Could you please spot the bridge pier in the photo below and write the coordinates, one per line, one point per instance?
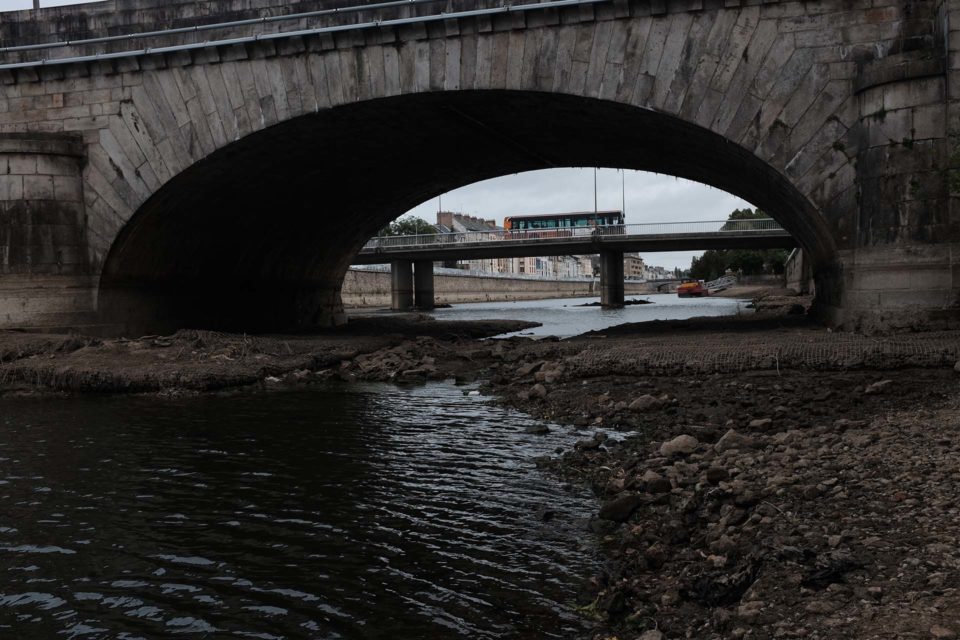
(423, 285)
(611, 279)
(401, 285)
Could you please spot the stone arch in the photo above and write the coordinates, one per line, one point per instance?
(258, 235)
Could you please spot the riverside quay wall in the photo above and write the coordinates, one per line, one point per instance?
(364, 288)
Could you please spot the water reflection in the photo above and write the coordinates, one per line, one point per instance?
(380, 512)
(566, 317)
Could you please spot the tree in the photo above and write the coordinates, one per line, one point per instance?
(409, 226)
(713, 264)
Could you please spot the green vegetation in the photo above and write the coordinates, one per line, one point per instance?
(409, 226)
(713, 264)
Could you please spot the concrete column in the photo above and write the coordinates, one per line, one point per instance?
(423, 284)
(401, 285)
(611, 279)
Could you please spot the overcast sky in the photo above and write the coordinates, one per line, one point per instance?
(650, 197)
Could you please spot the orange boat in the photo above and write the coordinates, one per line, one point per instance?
(692, 289)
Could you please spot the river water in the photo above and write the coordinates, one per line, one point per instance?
(368, 511)
(567, 317)
(354, 511)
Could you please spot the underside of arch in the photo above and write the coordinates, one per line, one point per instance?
(257, 236)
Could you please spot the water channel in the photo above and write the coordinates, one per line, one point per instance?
(354, 511)
(567, 317)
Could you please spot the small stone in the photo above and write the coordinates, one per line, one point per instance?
(877, 387)
(761, 423)
(941, 632)
(956, 367)
(538, 429)
(653, 634)
(733, 440)
(716, 475)
(655, 483)
(538, 391)
(681, 445)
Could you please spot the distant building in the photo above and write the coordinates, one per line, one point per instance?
(450, 222)
(634, 267)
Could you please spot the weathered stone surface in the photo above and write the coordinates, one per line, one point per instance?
(681, 445)
(733, 440)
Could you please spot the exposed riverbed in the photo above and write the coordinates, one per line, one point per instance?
(782, 480)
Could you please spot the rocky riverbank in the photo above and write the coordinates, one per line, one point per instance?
(777, 480)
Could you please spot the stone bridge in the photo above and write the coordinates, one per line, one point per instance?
(224, 176)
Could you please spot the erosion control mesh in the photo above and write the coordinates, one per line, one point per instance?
(739, 352)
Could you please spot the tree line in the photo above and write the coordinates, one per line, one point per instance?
(749, 262)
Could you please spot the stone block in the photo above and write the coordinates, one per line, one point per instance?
(11, 188)
(21, 165)
(920, 91)
(56, 165)
(38, 188)
(67, 189)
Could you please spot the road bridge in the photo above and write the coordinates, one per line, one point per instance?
(415, 287)
(218, 163)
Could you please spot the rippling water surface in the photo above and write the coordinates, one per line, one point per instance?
(360, 512)
(567, 317)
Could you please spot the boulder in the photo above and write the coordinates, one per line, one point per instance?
(679, 446)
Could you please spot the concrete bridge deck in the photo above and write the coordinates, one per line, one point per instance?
(650, 237)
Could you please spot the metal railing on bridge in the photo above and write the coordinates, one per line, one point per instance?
(668, 229)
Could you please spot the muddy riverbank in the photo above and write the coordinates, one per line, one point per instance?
(780, 480)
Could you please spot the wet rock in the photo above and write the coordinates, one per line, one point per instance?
(613, 602)
(538, 391)
(681, 445)
(537, 429)
(527, 369)
(878, 387)
(619, 509)
(733, 440)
